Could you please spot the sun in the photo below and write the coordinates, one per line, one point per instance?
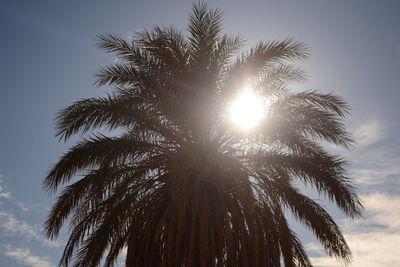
(247, 110)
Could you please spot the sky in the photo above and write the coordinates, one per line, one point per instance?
(48, 59)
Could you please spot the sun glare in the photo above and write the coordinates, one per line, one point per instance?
(247, 110)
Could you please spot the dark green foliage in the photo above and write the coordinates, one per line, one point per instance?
(180, 186)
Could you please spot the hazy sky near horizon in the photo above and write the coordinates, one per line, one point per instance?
(48, 59)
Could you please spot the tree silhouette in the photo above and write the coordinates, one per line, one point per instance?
(179, 185)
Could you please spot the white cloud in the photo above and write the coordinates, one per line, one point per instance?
(22, 206)
(369, 132)
(26, 257)
(374, 242)
(376, 249)
(5, 194)
(384, 210)
(377, 172)
(3, 189)
(11, 225)
(377, 166)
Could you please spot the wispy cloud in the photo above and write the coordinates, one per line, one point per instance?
(377, 169)
(12, 226)
(374, 242)
(384, 210)
(26, 257)
(377, 249)
(369, 132)
(23, 206)
(4, 193)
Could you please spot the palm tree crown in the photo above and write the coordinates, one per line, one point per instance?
(180, 185)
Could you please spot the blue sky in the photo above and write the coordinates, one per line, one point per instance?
(48, 60)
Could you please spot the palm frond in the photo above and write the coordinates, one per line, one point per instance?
(119, 74)
(252, 62)
(97, 151)
(327, 174)
(275, 79)
(167, 45)
(92, 113)
(204, 28)
(310, 117)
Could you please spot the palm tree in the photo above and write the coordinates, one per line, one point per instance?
(179, 184)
